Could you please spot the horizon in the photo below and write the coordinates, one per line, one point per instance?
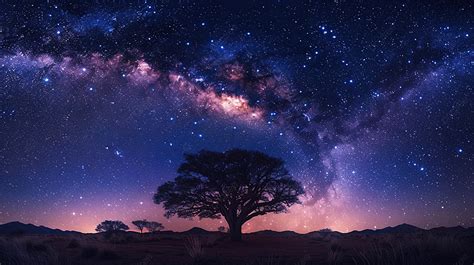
(135, 230)
(368, 105)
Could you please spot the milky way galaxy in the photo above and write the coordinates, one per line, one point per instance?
(370, 106)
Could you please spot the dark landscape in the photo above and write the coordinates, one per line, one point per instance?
(403, 244)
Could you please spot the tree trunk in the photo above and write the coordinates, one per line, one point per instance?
(235, 230)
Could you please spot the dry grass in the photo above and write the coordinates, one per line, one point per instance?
(216, 249)
(22, 252)
(335, 253)
(194, 246)
(413, 250)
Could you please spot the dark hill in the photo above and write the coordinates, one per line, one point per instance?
(399, 229)
(276, 233)
(21, 228)
(196, 231)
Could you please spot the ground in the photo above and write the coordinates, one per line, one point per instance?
(267, 247)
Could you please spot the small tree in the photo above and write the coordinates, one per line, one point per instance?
(237, 184)
(325, 230)
(111, 226)
(154, 227)
(222, 229)
(140, 224)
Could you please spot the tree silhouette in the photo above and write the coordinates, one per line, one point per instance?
(237, 184)
(140, 224)
(111, 226)
(154, 227)
(222, 229)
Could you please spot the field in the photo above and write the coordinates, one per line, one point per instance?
(267, 247)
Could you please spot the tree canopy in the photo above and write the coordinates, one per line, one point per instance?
(237, 184)
(154, 227)
(111, 226)
(140, 224)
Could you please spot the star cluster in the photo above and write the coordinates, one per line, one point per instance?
(369, 105)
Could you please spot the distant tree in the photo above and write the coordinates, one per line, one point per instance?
(325, 230)
(111, 226)
(154, 227)
(140, 224)
(222, 229)
(237, 184)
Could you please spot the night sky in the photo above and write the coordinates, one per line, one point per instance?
(370, 105)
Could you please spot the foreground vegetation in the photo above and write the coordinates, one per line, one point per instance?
(269, 248)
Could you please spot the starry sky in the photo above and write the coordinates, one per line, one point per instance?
(370, 103)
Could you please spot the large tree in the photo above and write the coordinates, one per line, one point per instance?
(237, 184)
